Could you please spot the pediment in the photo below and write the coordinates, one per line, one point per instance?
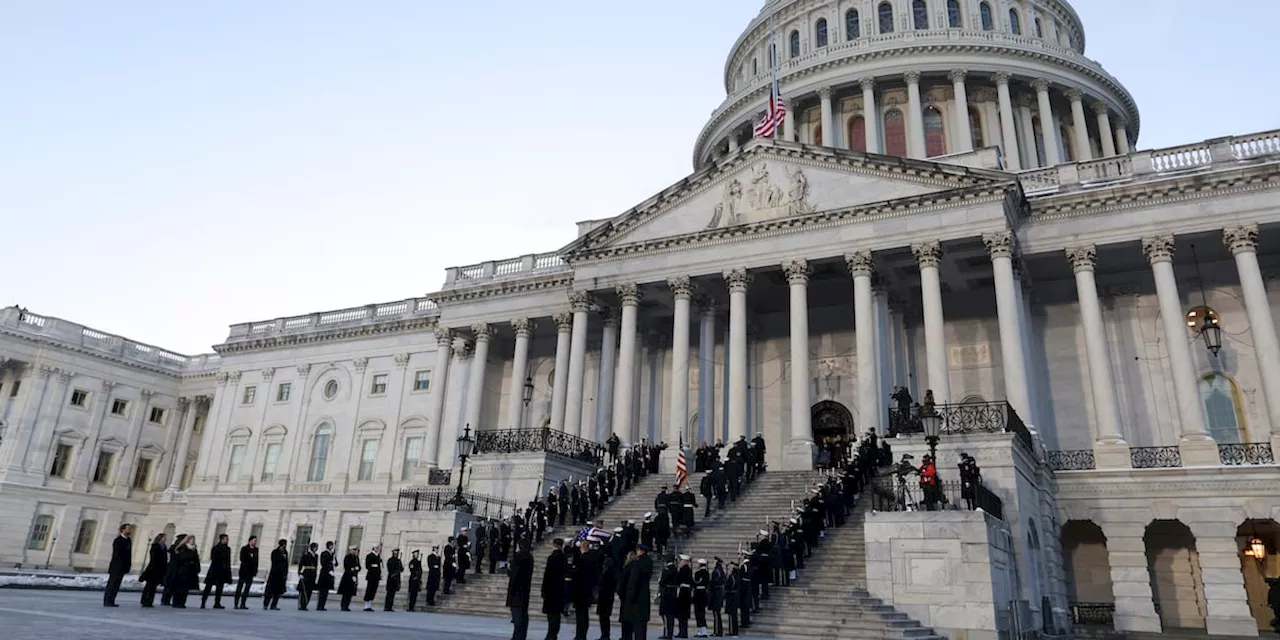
(770, 181)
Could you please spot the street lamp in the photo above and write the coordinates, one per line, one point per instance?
(528, 391)
(931, 421)
(1211, 333)
(466, 445)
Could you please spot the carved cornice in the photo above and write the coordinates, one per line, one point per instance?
(69, 347)
(928, 254)
(1158, 248)
(1082, 258)
(797, 271)
(407, 325)
(444, 338)
(1154, 194)
(861, 264)
(1241, 238)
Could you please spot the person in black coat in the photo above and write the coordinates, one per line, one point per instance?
(519, 588)
(715, 598)
(433, 575)
(609, 576)
(248, 569)
(732, 587)
(350, 576)
(186, 571)
(553, 576)
(372, 575)
(219, 573)
(277, 576)
(153, 574)
(415, 578)
(701, 588)
(585, 581)
(635, 595)
(668, 591)
(394, 568)
(170, 573)
(324, 581)
(308, 565)
(121, 563)
(684, 595)
(450, 564)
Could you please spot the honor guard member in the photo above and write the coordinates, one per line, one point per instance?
(668, 589)
(684, 597)
(394, 568)
(433, 575)
(350, 577)
(450, 564)
(415, 578)
(372, 575)
(324, 580)
(715, 598)
(732, 587)
(307, 571)
(701, 584)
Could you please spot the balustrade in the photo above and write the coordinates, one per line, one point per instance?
(443, 499)
(893, 493)
(1155, 457)
(965, 418)
(1072, 460)
(1235, 454)
(539, 440)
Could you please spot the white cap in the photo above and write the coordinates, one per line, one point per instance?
(684, 558)
(794, 521)
(591, 522)
(763, 532)
(617, 529)
(648, 514)
(702, 560)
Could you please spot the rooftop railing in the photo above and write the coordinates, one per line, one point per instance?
(354, 316)
(65, 331)
(497, 270)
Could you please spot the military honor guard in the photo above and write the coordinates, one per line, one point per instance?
(372, 575)
(415, 578)
(324, 581)
(350, 577)
(307, 569)
(395, 567)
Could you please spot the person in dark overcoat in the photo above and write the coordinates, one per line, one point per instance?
(668, 588)
(171, 571)
(415, 578)
(684, 595)
(636, 598)
(715, 598)
(450, 564)
(732, 587)
(277, 576)
(350, 577)
(186, 574)
(553, 576)
(153, 574)
(394, 568)
(219, 573)
(433, 575)
(701, 589)
(324, 581)
(372, 575)
(586, 579)
(519, 589)
(121, 563)
(606, 592)
(248, 570)
(308, 566)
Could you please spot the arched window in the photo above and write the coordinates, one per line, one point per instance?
(975, 128)
(895, 133)
(886, 17)
(795, 44)
(920, 14)
(953, 14)
(820, 32)
(858, 134)
(852, 25)
(1222, 408)
(319, 453)
(1064, 143)
(984, 12)
(1039, 28)
(935, 136)
(1015, 22)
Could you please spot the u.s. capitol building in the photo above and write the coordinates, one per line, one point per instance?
(953, 204)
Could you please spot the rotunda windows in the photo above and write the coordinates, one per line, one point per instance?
(975, 128)
(794, 41)
(920, 14)
(1039, 28)
(820, 33)
(858, 134)
(852, 25)
(984, 14)
(895, 134)
(755, 67)
(953, 14)
(935, 137)
(886, 17)
(1015, 22)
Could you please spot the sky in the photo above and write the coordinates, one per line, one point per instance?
(168, 169)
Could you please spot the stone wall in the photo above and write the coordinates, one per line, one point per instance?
(521, 476)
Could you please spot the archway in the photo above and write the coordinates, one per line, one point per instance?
(1088, 569)
(830, 419)
(1174, 566)
(1257, 569)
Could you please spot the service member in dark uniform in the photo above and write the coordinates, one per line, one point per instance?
(701, 583)
(732, 587)
(394, 568)
(324, 582)
(553, 577)
(433, 575)
(372, 575)
(350, 577)
(715, 598)
(277, 576)
(415, 578)
(307, 575)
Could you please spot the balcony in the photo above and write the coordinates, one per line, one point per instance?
(533, 264)
(369, 314)
(541, 440)
(965, 418)
(1164, 457)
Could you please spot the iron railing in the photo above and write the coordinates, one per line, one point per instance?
(541, 440)
(1093, 613)
(442, 499)
(888, 494)
(1072, 460)
(440, 477)
(1246, 453)
(1155, 457)
(968, 417)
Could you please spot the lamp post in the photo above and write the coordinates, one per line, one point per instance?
(1209, 330)
(466, 445)
(526, 397)
(931, 421)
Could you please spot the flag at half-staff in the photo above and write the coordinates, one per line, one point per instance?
(776, 112)
(682, 468)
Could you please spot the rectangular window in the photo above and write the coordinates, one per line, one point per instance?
(157, 415)
(119, 407)
(84, 536)
(233, 464)
(269, 462)
(61, 460)
(319, 457)
(256, 531)
(422, 381)
(355, 535)
(102, 471)
(379, 384)
(412, 454)
(79, 398)
(13, 391)
(282, 391)
(250, 394)
(38, 540)
(368, 455)
(301, 540)
(142, 474)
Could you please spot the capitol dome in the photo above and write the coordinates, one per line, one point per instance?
(1016, 64)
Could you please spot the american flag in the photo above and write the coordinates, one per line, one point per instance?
(682, 469)
(593, 534)
(777, 109)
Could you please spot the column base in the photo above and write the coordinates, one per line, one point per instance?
(799, 455)
(1111, 455)
(1218, 626)
(1199, 453)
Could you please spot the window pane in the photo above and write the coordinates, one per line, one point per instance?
(269, 462)
(319, 455)
(301, 540)
(84, 536)
(821, 33)
(422, 379)
(379, 384)
(1015, 23)
(142, 474)
(233, 465)
(39, 538)
(355, 536)
(920, 14)
(858, 134)
(255, 531)
(1219, 397)
(886, 17)
(61, 460)
(368, 455)
(795, 44)
(984, 11)
(282, 392)
(852, 26)
(102, 471)
(412, 455)
(953, 14)
(935, 141)
(895, 133)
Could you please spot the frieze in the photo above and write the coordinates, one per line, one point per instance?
(504, 288)
(761, 199)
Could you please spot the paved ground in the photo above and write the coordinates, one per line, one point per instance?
(73, 615)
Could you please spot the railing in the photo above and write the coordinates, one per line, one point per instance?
(443, 500)
(526, 265)
(69, 332)
(368, 314)
(1093, 613)
(888, 493)
(1155, 457)
(437, 477)
(542, 440)
(968, 417)
(1072, 460)
(1246, 453)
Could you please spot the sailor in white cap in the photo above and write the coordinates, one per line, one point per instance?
(684, 596)
(701, 581)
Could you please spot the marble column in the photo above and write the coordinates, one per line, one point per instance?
(738, 280)
(1122, 138)
(475, 386)
(678, 413)
(1008, 130)
(800, 448)
(828, 122)
(1131, 577)
(862, 267)
(624, 389)
(1106, 407)
(192, 407)
(1242, 240)
(560, 377)
(435, 401)
(1079, 126)
(915, 116)
(964, 133)
(1227, 610)
(789, 122)
(523, 327)
(929, 255)
(1196, 443)
(1009, 315)
(707, 428)
(608, 368)
(1104, 129)
(1031, 149)
(1048, 123)
(462, 352)
(733, 142)
(870, 115)
(580, 304)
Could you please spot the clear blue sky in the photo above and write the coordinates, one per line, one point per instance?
(170, 168)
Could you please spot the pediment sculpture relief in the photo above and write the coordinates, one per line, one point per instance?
(761, 199)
